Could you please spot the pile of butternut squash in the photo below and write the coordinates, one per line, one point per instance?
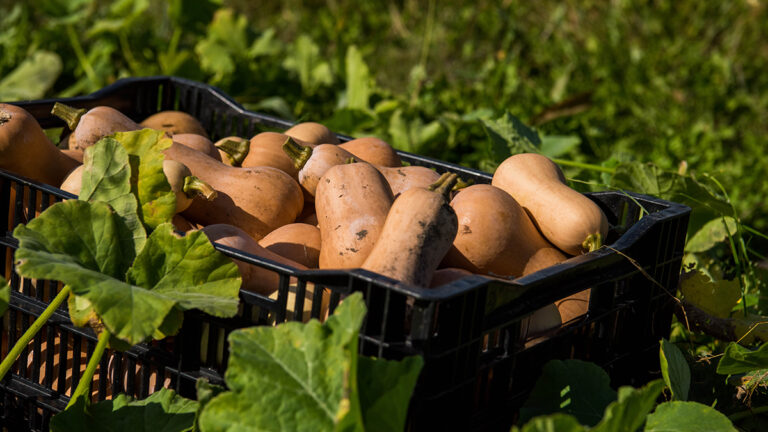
(305, 200)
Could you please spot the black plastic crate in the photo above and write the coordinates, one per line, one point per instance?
(477, 369)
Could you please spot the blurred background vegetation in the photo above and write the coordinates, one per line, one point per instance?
(663, 97)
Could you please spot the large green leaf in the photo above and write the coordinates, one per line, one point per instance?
(5, 295)
(675, 370)
(678, 416)
(32, 78)
(552, 423)
(293, 377)
(358, 80)
(629, 412)
(162, 411)
(306, 60)
(737, 359)
(157, 202)
(653, 180)
(508, 135)
(187, 270)
(76, 242)
(713, 232)
(385, 391)
(574, 387)
(716, 298)
(107, 178)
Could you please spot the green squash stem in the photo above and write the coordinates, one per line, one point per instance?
(70, 115)
(299, 154)
(444, 184)
(194, 186)
(235, 149)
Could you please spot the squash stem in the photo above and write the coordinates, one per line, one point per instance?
(236, 149)
(582, 165)
(444, 184)
(299, 154)
(593, 242)
(461, 184)
(194, 186)
(22, 343)
(70, 115)
(84, 386)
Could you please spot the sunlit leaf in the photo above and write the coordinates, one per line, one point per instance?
(507, 135)
(162, 411)
(629, 411)
(675, 370)
(679, 416)
(358, 80)
(737, 359)
(716, 298)
(385, 391)
(712, 233)
(32, 78)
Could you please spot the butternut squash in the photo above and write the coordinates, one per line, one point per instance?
(297, 241)
(312, 133)
(401, 179)
(255, 278)
(90, 126)
(568, 219)
(417, 233)
(258, 200)
(199, 143)
(174, 122)
(540, 322)
(74, 154)
(574, 305)
(26, 150)
(447, 275)
(74, 181)
(496, 236)
(352, 202)
(374, 151)
(266, 149)
(312, 163)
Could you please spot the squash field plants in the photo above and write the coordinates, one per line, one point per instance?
(668, 100)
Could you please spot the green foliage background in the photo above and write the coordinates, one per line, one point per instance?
(606, 84)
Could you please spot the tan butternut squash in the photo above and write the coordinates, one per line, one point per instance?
(496, 236)
(297, 241)
(352, 202)
(417, 233)
(232, 150)
(312, 163)
(403, 178)
(88, 127)
(255, 278)
(199, 143)
(258, 200)
(312, 133)
(26, 150)
(174, 122)
(374, 151)
(447, 275)
(574, 305)
(266, 149)
(540, 322)
(568, 219)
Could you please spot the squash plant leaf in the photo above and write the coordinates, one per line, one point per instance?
(305, 374)
(107, 178)
(187, 270)
(5, 295)
(675, 370)
(507, 136)
(713, 232)
(76, 242)
(552, 423)
(162, 411)
(157, 202)
(628, 413)
(87, 246)
(716, 298)
(385, 391)
(678, 416)
(574, 387)
(738, 360)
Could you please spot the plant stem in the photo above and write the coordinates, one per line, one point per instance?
(194, 186)
(747, 413)
(80, 54)
(8, 361)
(236, 149)
(70, 115)
(84, 386)
(299, 154)
(583, 165)
(444, 184)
